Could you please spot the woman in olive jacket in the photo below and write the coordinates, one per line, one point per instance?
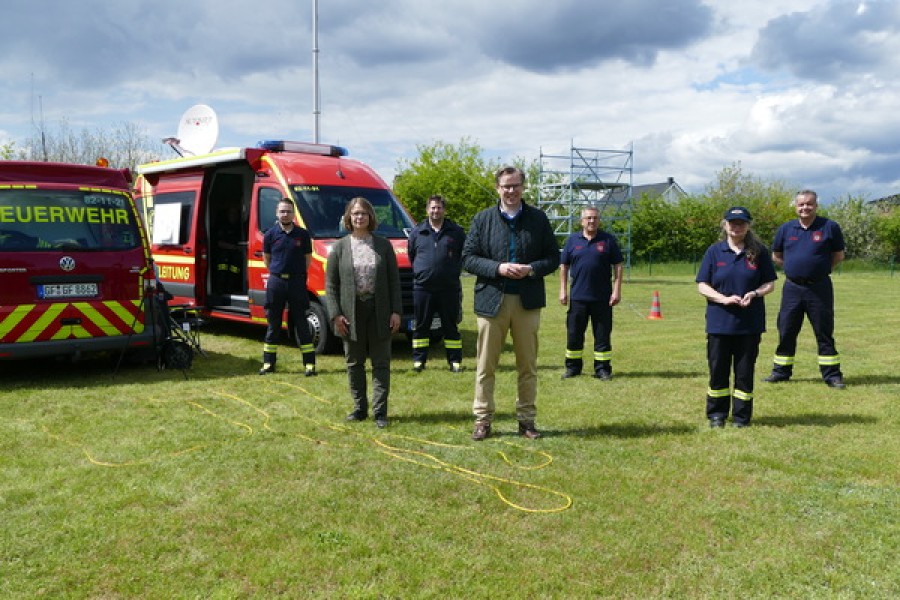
(362, 294)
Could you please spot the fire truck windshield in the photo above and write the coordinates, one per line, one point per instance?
(322, 209)
(66, 219)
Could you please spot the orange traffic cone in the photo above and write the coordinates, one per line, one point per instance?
(655, 312)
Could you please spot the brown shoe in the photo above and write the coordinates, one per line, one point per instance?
(482, 431)
(526, 429)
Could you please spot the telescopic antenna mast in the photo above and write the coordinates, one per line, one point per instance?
(317, 112)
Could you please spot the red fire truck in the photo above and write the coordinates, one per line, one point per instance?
(75, 265)
(200, 208)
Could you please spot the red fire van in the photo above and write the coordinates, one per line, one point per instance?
(200, 207)
(75, 264)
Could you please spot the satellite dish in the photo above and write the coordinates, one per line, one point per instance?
(198, 130)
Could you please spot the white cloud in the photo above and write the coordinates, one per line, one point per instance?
(801, 89)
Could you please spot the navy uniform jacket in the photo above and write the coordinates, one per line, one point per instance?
(590, 265)
(288, 250)
(807, 252)
(436, 257)
(729, 273)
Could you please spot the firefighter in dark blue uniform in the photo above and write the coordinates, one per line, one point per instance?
(734, 276)
(593, 258)
(808, 249)
(435, 251)
(287, 252)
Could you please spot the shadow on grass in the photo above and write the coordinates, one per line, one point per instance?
(659, 374)
(813, 420)
(871, 380)
(103, 370)
(850, 381)
(623, 431)
(445, 417)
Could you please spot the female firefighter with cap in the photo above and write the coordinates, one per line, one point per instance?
(735, 274)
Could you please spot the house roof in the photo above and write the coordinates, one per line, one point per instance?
(892, 200)
(669, 190)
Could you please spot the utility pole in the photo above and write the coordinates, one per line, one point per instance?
(317, 111)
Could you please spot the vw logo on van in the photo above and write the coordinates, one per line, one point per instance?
(67, 263)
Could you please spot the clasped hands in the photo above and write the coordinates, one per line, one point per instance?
(514, 270)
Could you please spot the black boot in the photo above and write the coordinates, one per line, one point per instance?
(268, 365)
(309, 362)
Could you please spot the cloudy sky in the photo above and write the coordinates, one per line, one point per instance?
(800, 90)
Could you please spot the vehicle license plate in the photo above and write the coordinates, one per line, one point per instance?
(67, 290)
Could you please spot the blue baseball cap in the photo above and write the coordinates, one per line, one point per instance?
(737, 213)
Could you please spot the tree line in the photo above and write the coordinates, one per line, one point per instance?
(661, 231)
(674, 231)
(124, 145)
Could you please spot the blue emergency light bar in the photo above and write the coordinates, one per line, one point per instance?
(303, 147)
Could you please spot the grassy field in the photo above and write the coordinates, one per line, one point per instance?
(224, 484)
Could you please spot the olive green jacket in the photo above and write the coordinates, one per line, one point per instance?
(340, 285)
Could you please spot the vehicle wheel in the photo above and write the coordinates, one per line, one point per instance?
(177, 354)
(317, 321)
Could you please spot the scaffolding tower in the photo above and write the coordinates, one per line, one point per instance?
(588, 177)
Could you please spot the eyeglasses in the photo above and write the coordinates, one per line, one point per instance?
(510, 187)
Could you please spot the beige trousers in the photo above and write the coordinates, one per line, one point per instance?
(523, 325)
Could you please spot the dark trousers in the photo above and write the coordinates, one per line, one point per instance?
(446, 305)
(815, 301)
(228, 277)
(290, 292)
(600, 314)
(378, 350)
(724, 352)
